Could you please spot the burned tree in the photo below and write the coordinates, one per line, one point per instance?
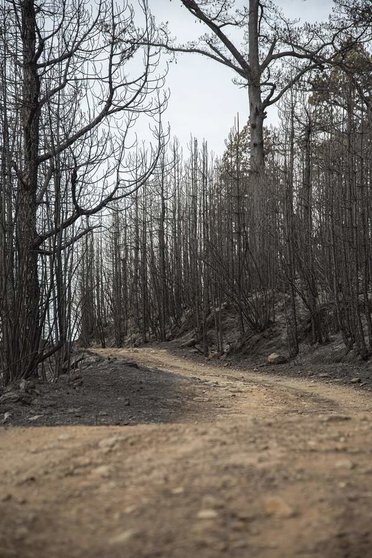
(74, 91)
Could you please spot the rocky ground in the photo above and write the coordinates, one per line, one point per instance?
(150, 453)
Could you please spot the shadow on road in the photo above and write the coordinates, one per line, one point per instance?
(107, 392)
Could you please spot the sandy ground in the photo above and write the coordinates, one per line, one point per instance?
(204, 462)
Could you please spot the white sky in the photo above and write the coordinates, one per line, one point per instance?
(204, 101)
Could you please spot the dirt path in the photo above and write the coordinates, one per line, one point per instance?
(231, 463)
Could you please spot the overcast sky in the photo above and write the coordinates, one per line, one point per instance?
(204, 101)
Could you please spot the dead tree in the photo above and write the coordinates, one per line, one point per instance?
(45, 53)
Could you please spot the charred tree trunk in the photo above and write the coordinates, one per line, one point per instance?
(27, 332)
(256, 111)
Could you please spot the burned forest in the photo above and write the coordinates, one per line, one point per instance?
(146, 279)
(107, 242)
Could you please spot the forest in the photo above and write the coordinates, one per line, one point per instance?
(185, 333)
(106, 239)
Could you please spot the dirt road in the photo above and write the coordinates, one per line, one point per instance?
(243, 465)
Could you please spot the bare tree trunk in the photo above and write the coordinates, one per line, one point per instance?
(28, 329)
(290, 233)
(256, 112)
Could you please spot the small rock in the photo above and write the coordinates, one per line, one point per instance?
(6, 417)
(109, 442)
(276, 358)
(24, 385)
(323, 375)
(355, 380)
(102, 414)
(65, 436)
(83, 461)
(178, 490)
(207, 514)
(34, 417)
(344, 464)
(103, 471)
(277, 507)
(123, 537)
(130, 509)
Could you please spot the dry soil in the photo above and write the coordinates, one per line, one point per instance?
(183, 459)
